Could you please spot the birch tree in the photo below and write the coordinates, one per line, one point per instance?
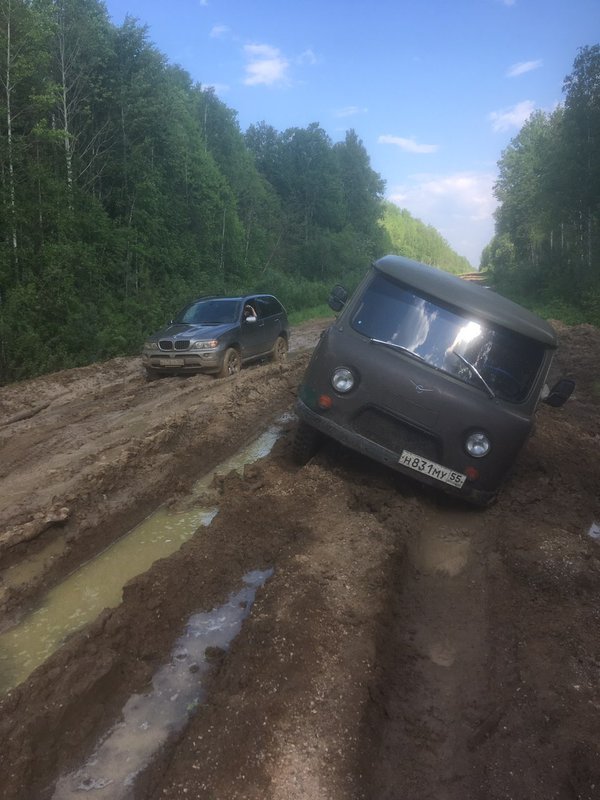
(16, 44)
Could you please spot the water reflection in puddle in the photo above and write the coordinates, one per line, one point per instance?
(99, 583)
(442, 653)
(149, 719)
(32, 568)
(441, 549)
(594, 531)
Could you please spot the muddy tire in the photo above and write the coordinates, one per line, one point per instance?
(232, 363)
(280, 349)
(305, 444)
(152, 374)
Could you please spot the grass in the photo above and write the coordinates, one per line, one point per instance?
(557, 308)
(305, 314)
(565, 312)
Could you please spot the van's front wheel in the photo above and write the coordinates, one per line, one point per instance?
(305, 444)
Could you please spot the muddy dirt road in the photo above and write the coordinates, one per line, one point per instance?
(396, 644)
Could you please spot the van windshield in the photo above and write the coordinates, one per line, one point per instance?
(494, 359)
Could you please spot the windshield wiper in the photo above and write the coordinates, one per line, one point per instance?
(476, 373)
(400, 347)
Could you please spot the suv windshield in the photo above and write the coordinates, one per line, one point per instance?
(498, 361)
(210, 312)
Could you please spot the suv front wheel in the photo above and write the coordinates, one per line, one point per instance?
(232, 363)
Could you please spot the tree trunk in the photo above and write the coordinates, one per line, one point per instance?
(9, 143)
(65, 112)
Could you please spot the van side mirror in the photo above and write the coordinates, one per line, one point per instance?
(560, 393)
(337, 298)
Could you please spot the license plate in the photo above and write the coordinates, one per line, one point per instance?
(171, 362)
(431, 469)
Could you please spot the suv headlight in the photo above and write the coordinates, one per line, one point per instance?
(477, 444)
(209, 344)
(342, 380)
(149, 345)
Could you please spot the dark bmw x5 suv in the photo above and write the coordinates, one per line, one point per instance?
(434, 376)
(217, 335)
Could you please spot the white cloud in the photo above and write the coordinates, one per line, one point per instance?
(266, 65)
(408, 145)
(522, 67)
(349, 111)
(460, 206)
(513, 117)
(218, 31)
(308, 57)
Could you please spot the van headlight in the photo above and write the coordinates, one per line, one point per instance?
(342, 380)
(477, 444)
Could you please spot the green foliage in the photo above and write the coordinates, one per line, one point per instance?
(547, 241)
(295, 293)
(317, 312)
(411, 238)
(126, 189)
(549, 306)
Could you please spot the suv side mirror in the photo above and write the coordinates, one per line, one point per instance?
(560, 393)
(337, 298)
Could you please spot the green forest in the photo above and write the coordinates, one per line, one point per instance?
(127, 189)
(546, 249)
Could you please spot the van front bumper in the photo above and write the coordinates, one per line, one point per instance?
(361, 444)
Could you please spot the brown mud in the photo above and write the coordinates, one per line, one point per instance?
(406, 646)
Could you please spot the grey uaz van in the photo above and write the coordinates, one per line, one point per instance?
(434, 376)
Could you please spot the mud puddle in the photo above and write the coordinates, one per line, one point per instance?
(177, 690)
(99, 583)
(434, 643)
(594, 531)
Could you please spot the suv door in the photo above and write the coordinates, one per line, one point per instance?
(270, 313)
(252, 333)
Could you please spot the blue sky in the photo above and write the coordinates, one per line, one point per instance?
(436, 89)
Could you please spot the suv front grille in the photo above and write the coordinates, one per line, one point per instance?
(396, 435)
(178, 344)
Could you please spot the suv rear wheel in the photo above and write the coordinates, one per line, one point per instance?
(280, 349)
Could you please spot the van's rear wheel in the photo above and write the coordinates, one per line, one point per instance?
(305, 444)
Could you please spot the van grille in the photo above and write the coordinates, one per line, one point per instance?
(396, 435)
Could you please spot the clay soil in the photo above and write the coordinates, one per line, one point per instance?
(406, 646)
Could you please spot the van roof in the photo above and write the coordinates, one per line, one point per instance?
(480, 302)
